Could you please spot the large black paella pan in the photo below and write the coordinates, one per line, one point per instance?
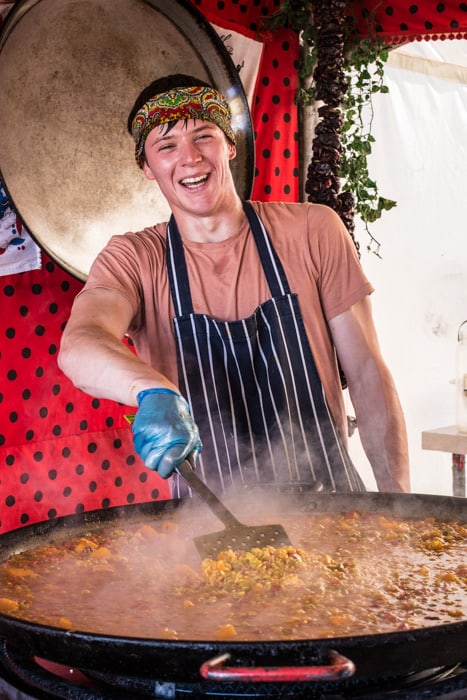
(370, 655)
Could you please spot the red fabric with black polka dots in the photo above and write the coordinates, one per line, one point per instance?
(61, 451)
(400, 21)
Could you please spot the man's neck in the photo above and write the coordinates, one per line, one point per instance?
(213, 228)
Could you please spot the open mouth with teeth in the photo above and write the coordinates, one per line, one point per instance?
(194, 182)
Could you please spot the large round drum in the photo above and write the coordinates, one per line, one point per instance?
(70, 71)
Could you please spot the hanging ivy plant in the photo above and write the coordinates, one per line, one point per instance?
(364, 68)
(342, 71)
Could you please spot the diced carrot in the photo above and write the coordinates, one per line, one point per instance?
(226, 632)
(85, 543)
(20, 573)
(65, 623)
(101, 553)
(7, 605)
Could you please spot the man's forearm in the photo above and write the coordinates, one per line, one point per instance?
(388, 456)
(383, 432)
(104, 367)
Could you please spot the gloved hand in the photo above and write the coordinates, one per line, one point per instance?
(164, 433)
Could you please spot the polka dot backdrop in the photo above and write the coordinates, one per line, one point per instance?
(274, 111)
(275, 121)
(61, 451)
(402, 20)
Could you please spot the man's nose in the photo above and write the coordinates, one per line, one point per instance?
(191, 153)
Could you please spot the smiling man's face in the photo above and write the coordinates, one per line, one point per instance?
(190, 163)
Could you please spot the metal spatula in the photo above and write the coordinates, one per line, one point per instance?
(236, 535)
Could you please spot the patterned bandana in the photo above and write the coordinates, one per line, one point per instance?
(203, 103)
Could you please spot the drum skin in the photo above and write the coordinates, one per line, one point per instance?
(70, 71)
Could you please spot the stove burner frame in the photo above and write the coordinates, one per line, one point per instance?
(40, 678)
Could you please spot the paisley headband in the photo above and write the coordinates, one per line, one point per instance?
(198, 102)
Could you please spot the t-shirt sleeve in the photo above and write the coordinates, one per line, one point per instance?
(341, 279)
(116, 268)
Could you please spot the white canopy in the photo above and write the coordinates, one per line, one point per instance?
(420, 160)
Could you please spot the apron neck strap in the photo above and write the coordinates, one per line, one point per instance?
(178, 273)
(272, 266)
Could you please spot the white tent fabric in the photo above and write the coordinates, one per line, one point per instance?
(441, 59)
(420, 160)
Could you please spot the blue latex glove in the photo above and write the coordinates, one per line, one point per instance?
(164, 433)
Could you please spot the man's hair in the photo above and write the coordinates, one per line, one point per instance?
(168, 82)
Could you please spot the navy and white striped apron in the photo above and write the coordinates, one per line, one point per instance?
(253, 386)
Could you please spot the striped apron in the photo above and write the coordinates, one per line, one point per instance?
(253, 386)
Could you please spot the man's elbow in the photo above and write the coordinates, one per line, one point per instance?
(68, 360)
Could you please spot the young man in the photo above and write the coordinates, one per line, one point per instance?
(237, 311)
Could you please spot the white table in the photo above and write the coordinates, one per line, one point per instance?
(449, 439)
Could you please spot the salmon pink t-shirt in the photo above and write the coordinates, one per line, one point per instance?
(227, 282)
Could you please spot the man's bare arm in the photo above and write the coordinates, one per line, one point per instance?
(373, 394)
(93, 355)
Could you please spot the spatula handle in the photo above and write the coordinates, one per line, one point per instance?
(218, 508)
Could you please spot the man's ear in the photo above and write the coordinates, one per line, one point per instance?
(147, 171)
(232, 150)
